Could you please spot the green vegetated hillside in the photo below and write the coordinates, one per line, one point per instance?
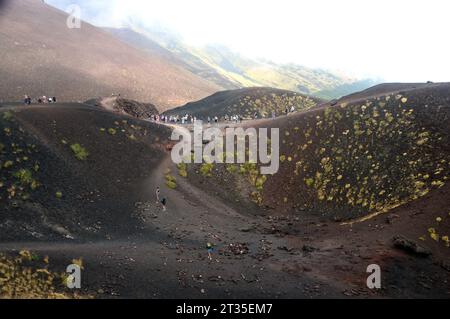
(245, 102)
(354, 159)
(230, 70)
(245, 72)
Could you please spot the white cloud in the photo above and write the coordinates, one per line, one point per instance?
(401, 40)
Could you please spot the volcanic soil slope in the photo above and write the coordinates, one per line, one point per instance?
(361, 182)
(71, 170)
(40, 55)
(358, 158)
(125, 107)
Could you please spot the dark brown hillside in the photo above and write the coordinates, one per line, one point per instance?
(40, 55)
(124, 106)
(385, 89)
(72, 171)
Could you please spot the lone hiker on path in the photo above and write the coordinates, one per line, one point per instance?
(163, 203)
(210, 249)
(27, 100)
(158, 192)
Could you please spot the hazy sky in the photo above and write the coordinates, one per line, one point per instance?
(397, 40)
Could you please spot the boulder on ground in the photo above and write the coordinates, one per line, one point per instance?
(410, 246)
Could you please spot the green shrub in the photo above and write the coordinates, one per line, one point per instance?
(171, 181)
(206, 169)
(7, 116)
(259, 184)
(171, 185)
(8, 164)
(231, 168)
(26, 276)
(24, 176)
(182, 169)
(80, 152)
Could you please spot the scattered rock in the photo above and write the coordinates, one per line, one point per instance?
(215, 278)
(246, 229)
(239, 248)
(445, 265)
(309, 249)
(286, 249)
(390, 219)
(343, 267)
(411, 246)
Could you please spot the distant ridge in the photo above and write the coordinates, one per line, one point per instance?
(246, 102)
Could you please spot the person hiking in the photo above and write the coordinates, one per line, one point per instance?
(163, 203)
(158, 192)
(210, 249)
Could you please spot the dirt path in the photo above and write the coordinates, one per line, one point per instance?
(173, 263)
(194, 218)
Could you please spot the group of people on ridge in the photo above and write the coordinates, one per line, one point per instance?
(40, 100)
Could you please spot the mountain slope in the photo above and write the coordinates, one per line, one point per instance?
(388, 88)
(177, 55)
(227, 69)
(250, 72)
(39, 55)
(245, 102)
(230, 70)
(241, 71)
